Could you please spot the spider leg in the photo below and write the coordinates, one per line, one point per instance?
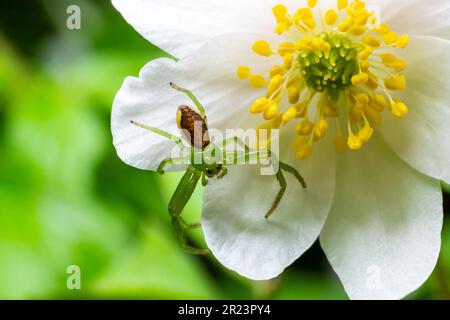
(180, 198)
(237, 141)
(169, 161)
(167, 135)
(282, 181)
(190, 226)
(223, 173)
(182, 240)
(204, 180)
(197, 103)
(283, 187)
(241, 157)
(294, 172)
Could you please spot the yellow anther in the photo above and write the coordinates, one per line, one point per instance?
(293, 94)
(373, 115)
(364, 65)
(304, 128)
(342, 4)
(309, 22)
(320, 129)
(271, 111)
(260, 105)
(304, 151)
(280, 10)
(382, 29)
(361, 78)
(365, 54)
(288, 59)
(402, 42)
(363, 18)
(399, 109)
(346, 25)
(393, 62)
(301, 107)
(330, 112)
(257, 81)
(281, 28)
(243, 72)
(331, 17)
(262, 48)
(365, 133)
(290, 114)
(354, 142)
(358, 30)
(398, 65)
(275, 83)
(276, 70)
(391, 38)
(362, 99)
(372, 41)
(359, 4)
(286, 47)
(388, 58)
(308, 40)
(380, 99)
(312, 3)
(396, 83)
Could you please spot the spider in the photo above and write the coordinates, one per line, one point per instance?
(207, 160)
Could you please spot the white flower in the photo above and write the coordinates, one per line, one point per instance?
(378, 211)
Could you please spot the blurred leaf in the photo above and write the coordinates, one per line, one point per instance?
(309, 286)
(156, 268)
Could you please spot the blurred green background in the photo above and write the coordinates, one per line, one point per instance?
(65, 197)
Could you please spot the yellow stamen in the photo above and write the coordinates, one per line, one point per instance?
(257, 81)
(243, 72)
(399, 109)
(342, 4)
(259, 105)
(338, 69)
(396, 83)
(290, 114)
(312, 3)
(331, 17)
(262, 48)
(271, 111)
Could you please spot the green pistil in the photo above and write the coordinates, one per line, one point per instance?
(330, 71)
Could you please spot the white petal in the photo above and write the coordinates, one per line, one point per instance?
(210, 73)
(147, 100)
(423, 137)
(383, 233)
(234, 208)
(416, 17)
(182, 26)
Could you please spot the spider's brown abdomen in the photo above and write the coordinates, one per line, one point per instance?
(193, 127)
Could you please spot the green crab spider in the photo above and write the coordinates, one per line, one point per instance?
(189, 122)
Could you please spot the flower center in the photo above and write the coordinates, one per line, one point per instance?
(331, 69)
(339, 72)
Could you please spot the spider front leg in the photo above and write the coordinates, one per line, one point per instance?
(283, 185)
(191, 96)
(177, 204)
